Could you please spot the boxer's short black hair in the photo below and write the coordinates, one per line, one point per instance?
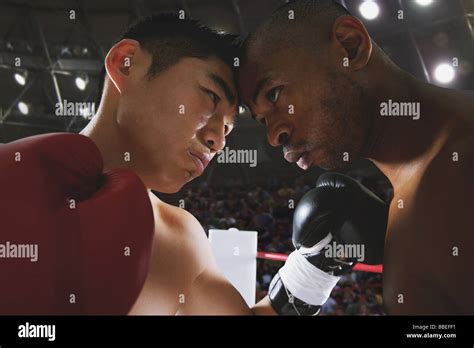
(310, 28)
(168, 39)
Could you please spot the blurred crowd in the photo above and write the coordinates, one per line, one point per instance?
(268, 209)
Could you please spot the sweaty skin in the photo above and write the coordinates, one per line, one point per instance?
(428, 265)
(141, 117)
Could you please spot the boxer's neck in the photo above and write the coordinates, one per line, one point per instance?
(405, 144)
(104, 131)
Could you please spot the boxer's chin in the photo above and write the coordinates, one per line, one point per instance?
(330, 163)
(172, 183)
(170, 188)
(334, 167)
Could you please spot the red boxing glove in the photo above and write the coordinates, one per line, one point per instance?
(92, 232)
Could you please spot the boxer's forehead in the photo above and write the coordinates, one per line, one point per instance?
(283, 66)
(201, 66)
(213, 70)
(258, 72)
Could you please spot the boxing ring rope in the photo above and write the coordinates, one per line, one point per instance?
(282, 257)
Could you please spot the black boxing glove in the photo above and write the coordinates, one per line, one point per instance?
(339, 215)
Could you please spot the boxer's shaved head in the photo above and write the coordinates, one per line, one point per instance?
(305, 75)
(311, 28)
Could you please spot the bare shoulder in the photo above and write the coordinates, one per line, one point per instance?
(446, 191)
(442, 218)
(184, 224)
(181, 234)
(180, 254)
(453, 166)
(445, 202)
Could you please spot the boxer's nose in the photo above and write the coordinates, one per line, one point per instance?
(278, 134)
(213, 135)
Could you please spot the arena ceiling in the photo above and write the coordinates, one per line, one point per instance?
(56, 50)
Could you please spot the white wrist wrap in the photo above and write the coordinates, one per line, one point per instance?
(305, 281)
(318, 247)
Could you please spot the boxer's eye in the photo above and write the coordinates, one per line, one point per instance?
(273, 94)
(214, 97)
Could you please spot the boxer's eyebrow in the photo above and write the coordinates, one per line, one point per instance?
(258, 88)
(224, 87)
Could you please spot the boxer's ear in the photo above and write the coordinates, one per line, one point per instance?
(350, 35)
(119, 61)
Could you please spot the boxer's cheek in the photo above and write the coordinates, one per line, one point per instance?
(200, 115)
(202, 121)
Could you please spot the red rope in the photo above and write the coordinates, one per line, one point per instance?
(358, 267)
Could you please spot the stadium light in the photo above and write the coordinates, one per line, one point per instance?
(21, 77)
(369, 9)
(81, 82)
(24, 108)
(424, 2)
(444, 73)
